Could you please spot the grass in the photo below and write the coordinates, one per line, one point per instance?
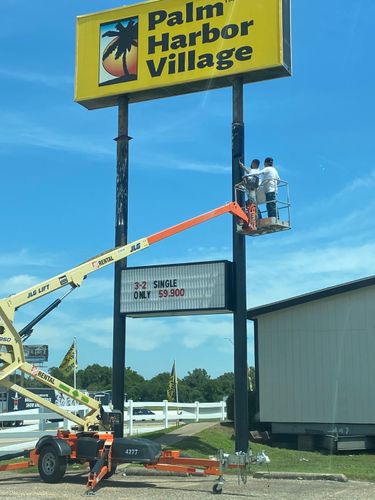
(359, 466)
(13, 461)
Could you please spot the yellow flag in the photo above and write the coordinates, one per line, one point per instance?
(172, 384)
(68, 363)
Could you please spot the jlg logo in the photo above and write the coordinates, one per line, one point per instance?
(135, 247)
(37, 291)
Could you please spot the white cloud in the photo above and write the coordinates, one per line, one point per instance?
(16, 129)
(208, 253)
(54, 81)
(60, 328)
(196, 331)
(93, 288)
(325, 163)
(57, 336)
(16, 283)
(141, 335)
(358, 183)
(23, 258)
(181, 163)
(307, 270)
(343, 203)
(147, 335)
(202, 167)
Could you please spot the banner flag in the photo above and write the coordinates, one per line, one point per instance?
(172, 384)
(68, 364)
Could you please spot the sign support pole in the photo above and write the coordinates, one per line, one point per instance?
(239, 282)
(121, 238)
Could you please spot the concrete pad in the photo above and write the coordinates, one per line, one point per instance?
(301, 475)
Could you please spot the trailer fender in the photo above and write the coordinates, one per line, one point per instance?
(62, 448)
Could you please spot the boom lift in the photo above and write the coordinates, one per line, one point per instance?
(91, 440)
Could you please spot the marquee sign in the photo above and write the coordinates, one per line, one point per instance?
(168, 47)
(181, 289)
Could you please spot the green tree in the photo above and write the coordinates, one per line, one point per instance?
(26, 381)
(155, 389)
(95, 378)
(252, 402)
(57, 373)
(184, 392)
(224, 385)
(134, 385)
(198, 385)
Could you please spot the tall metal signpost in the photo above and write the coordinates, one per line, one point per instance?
(239, 280)
(158, 49)
(121, 238)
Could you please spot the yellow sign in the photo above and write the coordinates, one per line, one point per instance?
(169, 47)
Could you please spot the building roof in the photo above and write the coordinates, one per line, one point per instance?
(309, 297)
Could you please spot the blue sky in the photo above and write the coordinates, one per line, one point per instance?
(58, 179)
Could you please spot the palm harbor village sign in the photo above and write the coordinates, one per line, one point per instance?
(163, 48)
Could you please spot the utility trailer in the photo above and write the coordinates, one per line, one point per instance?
(91, 439)
(103, 452)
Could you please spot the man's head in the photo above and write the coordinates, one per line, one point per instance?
(268, 162)
(255, 163)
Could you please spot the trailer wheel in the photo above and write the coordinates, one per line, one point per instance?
(51, 466)
(217, 489)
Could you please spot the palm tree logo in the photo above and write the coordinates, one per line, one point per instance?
(119, 57)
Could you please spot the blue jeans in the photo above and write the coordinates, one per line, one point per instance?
(271, 204)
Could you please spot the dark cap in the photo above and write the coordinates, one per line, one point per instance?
(268, 161)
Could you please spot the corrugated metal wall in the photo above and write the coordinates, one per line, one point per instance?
(317, 361)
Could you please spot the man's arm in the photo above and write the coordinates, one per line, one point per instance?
(256, 171)
(247, 170)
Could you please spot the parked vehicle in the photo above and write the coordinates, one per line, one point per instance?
(142, 411)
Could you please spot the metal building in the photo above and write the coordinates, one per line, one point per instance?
(315, 365)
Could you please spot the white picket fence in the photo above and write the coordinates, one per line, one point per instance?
(36, 422)
(167, 414)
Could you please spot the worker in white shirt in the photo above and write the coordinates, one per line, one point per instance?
(269, 183)
(251, 183)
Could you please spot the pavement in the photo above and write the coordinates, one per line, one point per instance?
(22, 485)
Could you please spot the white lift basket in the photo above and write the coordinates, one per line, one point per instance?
(262, 224)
